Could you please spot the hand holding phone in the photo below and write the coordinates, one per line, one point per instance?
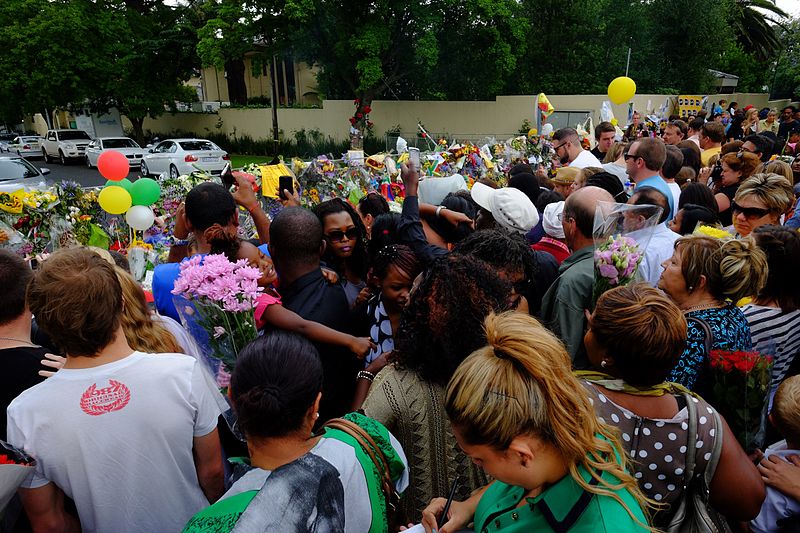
(413, 156)
(285, 183)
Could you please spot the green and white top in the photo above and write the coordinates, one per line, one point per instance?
(333, 487)
(564, 506)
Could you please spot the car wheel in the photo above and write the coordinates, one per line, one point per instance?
(143, 170)
(88, 162)
(62, 159)
(173, 172)
(45, 156)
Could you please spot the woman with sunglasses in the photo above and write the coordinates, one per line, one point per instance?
(759, 201)
(345, 245)
(736, 167)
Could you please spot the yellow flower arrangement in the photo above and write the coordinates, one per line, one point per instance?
(710, 231)
(139, 243)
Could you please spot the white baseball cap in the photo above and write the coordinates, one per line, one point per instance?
(551, 223)
(511, 208)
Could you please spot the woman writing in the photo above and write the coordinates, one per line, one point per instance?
(518, 412)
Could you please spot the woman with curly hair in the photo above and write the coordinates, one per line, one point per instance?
(144, 332)
(345, 244)
(439, 328)
(517, 410)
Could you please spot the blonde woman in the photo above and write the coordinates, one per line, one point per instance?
(142, 332)
(750, 125)
(703, 277)
(519, 413)
(769, 123)
(760, 201)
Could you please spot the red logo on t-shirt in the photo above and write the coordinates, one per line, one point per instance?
(97, 402)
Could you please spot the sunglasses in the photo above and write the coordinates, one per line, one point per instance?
(750, 213)
(630, 156)
(339, 236)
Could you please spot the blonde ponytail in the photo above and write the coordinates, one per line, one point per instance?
(521, 383)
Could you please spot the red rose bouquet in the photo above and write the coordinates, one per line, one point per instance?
(740, 384)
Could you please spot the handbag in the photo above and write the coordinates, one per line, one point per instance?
(381, 464)
(694, 513)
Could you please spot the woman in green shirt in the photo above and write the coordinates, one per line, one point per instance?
(518, 412)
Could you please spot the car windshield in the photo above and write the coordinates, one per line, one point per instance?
(14, 169)
(119, 143)
(74, 135)
(193, 146)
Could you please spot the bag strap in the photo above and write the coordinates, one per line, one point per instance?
(709, 338)
(691, 439)
(711, 468)
(375, 453)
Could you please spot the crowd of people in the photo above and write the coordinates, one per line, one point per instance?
(449, 365)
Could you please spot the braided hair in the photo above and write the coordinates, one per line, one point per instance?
(399, 256)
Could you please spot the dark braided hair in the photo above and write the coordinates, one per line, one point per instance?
(358, 261)
(223, 240)
(399, 256)
(502, 250)
(373, 204)
(384, 233)
(443, 322)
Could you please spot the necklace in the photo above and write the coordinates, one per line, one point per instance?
(18, 340)
(701, 306)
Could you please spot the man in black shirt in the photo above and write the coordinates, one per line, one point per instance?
(21, 357)
(604, 134)
(788, 123)
(296, 244)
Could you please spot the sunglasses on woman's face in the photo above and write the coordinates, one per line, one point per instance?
(339, 236)
(750, 213)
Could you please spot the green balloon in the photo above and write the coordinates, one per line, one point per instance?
(125, 183)
(145, 191)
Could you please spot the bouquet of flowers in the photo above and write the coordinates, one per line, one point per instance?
(615, 263)
(740, 385)
(215, 299)
(15, 465)
(621, 233)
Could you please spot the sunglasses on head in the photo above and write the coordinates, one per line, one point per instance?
(750, 213)
(339, 236)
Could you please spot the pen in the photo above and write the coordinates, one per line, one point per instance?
(449, 501)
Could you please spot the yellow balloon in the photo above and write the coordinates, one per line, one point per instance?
(621, 89)
(115, 200)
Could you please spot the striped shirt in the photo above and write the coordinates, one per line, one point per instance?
(775, 333)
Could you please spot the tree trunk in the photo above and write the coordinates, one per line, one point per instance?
(237, 90)
(138, 129)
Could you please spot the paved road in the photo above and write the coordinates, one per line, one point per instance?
(77, 171)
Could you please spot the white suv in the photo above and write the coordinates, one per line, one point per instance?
(65, 145)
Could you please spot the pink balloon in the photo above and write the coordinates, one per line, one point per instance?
(113, 165)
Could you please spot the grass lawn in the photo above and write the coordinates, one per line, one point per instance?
(238, 161)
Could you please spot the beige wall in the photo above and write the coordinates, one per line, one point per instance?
(502, 117)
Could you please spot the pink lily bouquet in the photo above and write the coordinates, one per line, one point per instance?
(615, 263)
(218, 297)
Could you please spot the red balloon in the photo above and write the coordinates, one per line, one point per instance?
(113, 165)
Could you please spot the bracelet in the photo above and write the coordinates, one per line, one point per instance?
(364, 374)
(439, 210)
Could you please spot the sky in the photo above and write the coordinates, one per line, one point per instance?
(792, 7)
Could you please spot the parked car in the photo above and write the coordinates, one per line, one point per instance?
(6, 138)
(183, 156)
(26, 146)
(65, 145)
(124, 145)
(16, 173)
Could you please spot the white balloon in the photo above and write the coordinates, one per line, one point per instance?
(140, 217)
(547, 129)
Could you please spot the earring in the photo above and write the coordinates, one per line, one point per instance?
(691, 289)
(603, 363)
(316, 415)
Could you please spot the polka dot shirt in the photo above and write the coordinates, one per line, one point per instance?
(658, 448)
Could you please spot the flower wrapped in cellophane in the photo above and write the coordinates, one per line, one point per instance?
(740, 389)
(215, 299)
(15, 466)
(621, 234)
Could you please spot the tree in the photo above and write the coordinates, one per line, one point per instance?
(754, 30)
(785, 81)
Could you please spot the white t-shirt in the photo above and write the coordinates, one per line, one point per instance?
(676, 195)
(659, 249)
(118, 440)
(586, 159)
